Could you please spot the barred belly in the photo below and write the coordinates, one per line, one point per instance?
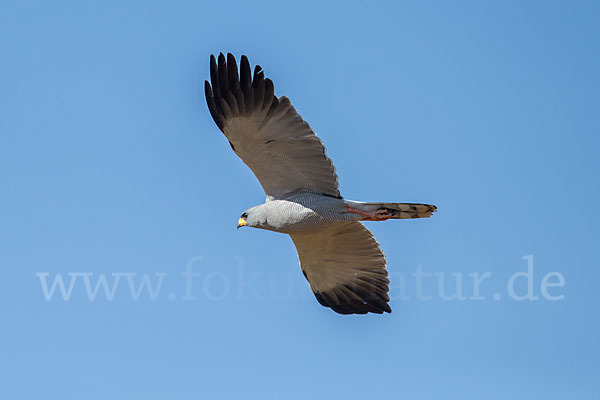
(305, 212)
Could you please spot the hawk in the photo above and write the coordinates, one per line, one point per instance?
(338, 255)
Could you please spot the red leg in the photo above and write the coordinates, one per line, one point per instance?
(379, 215)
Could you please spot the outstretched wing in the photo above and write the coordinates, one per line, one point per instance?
(266, 132)
(345, 268)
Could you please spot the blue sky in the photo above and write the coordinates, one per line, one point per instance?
(110, 166)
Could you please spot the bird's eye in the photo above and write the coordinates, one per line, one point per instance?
(245, 215)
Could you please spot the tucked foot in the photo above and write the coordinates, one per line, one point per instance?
(378, 215)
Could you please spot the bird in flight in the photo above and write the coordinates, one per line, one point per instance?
(338, 255)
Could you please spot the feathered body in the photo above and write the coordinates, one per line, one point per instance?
(339, 257)
(301, 212)
(306, 212)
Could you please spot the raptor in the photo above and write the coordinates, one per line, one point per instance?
(339, 256)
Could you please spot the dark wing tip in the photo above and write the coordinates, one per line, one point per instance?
(232, 92)
(347, 300)
(214, 77)
(232, 74)
(222, 69)
(258, 73)
(245, 75)
(269, 96)
(212, 105)
(246, 84)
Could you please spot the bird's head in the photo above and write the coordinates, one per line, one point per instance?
(254, 217)
(243, 221)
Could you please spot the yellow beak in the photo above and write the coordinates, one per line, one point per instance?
(241, 222)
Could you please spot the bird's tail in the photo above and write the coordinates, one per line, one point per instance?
(394, 210)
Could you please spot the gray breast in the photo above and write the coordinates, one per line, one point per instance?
(303, 212)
